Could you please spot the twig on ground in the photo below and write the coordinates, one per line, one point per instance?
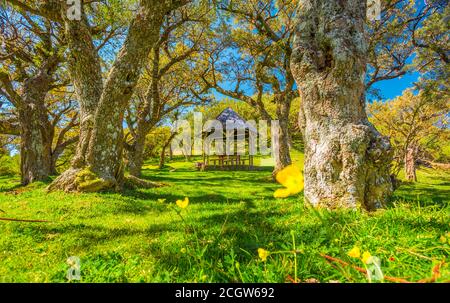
(362, 270)
(23, 220)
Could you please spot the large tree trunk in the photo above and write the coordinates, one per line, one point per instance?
(53, 170)
(346, 160)
(283, 156)
(86, 75)
(410, 163)
(36, 136)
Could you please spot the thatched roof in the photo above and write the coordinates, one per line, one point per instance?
(230, 115)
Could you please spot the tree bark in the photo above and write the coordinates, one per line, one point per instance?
(36, 136)
(283, 156)
(147, 117)
(162, 157)
(346, 160)
(99, 162)
(35, 149)
(410, 163)
(136, 155)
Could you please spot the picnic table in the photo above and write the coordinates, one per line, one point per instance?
(231, 162)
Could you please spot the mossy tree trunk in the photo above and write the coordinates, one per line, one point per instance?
(35, 145)
(38, 151)
(346, 160)
(36, 131)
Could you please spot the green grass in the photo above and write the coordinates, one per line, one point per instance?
(137, 237)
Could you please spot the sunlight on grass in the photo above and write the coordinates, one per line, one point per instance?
(138, 236)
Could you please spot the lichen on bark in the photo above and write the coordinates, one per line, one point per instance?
(346, 159)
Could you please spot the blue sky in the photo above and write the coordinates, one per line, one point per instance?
(393, 88)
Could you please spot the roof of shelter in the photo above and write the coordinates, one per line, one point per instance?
(230, 115)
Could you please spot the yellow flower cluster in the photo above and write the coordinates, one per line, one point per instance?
(263, 254)
(355, 252)
(292, 179)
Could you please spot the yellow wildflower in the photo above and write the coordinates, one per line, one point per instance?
(282, 193)
(183, 203)
(443, 239)
(290, 177)
(355, 252)
(263, 254)
(366, 256)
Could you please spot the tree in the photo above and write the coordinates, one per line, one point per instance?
(432, 43)
(254, 57)
(416, 124)
(346, 159)
(30, 71)
(172, 78)
(102, 102)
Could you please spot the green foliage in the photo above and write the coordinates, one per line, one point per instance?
(432, 60)
(155, 140)
(9, 165)
(414, 120)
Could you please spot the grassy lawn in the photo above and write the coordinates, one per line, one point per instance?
(138, 236)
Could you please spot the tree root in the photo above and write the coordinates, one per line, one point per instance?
(80, 180)
(84, 180)
(135, 183)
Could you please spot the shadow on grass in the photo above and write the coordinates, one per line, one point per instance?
(194, 198)
(16, 187)
(423, 194)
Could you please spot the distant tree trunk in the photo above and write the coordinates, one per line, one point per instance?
(53, 170)
(162, 157)
(346, 159)
(136, 155)
(186, 154)
(410, 163)
(61, 146)
(283, 157)
(147, 117)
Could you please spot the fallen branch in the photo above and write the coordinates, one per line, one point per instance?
(436, 274)
(23, 220)
(362, 270)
